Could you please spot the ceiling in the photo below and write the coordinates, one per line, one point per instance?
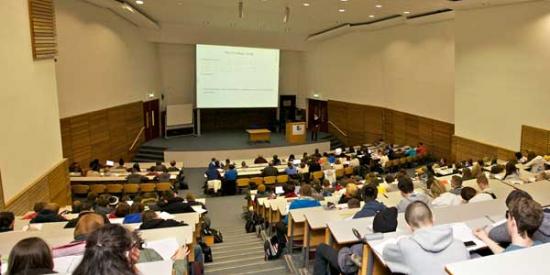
(267, 15)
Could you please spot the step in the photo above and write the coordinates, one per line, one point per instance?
(236, 261)
(152, 147)
(259, 249)
(149, 151)
(228, 256)
(243, 268)
(147, 155)
(225, 245)
(264, 271)
(231, 238)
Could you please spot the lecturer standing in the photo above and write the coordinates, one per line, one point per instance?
(316, 127)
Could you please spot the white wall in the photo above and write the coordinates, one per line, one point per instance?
(30, 143)
(177, 67)
(409, 68)
(502, 72)
(104, 60)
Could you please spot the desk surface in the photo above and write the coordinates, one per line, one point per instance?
(258, 131)
(298, 215)
(525, 261)
(320, 219)
(540, 191)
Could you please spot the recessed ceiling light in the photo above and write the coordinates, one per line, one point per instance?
(139, 2)
(306, 4)
(378, 6)
(371, 16)
(343, 0)
(341, 10)
(407, 12)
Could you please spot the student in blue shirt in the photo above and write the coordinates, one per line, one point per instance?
(230, 181)
(372, 206)
(524, 217)
(291, 171)
(305, 200)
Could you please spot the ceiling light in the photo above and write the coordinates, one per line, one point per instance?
(139, 2)
(306, 4)
(287, 15)
(407, 12)
(343, 0)
(378, 6)
(371, 16)
(127, 7)
(341, 10)
(241, 9)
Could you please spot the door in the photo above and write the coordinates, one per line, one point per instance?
(151, 119)
(319, 108)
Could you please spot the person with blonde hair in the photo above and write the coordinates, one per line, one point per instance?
(351, 193)
(440, 195)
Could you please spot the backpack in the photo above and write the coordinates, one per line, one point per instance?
(207, 252)
(218, 237)
(276, 245)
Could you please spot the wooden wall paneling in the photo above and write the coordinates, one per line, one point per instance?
(442, 138)
(387, 116)
(411, 129)
(465, 149)
(337, 113)
(43, 29)
(535, 139)
(399, 128)
(2, 203)
(355, 126)
(374, 123)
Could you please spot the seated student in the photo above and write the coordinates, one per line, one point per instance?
(536, 163)
(85, 226)
(305, 200)
(243, 164)
(135, 176)
(512, 173)
(500, 233)
(192, 200)
(75, 168)
(173, 167)
(406, 187)
(276, 161)
(467, 193)
(86, 208)
(314, 165)
(172, 204)
(270, 170)
(229, 186)
(30, 256)
(372, 206)
(428, 249)
(152, 221)
(135, 213)
(289, 190)
(260, 159)
(159, 167)
(410, 152)
(121, 211)
(212, 172)
(347, 258)
(456, 184)
(351, 193)
(440, 196)
(36, 208)
(95, 168)
(523, 219)
(354, 203)
(7, 221)
(50, 213)
(112, 249)
(163, 176)
(225, 166)
(291, 170)
(467, 174)
(102, 205)
(485, 193)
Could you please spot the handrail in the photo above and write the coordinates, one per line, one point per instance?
(136, 139)
(338, 128)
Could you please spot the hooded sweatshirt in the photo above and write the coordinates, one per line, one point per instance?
(426, 252)
(500, 234)
(369, 209)
(412, 197)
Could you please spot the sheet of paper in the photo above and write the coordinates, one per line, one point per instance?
(165, 215)
(464, 233)
(155, 268)
(198, 209)
(165, 247)
(66, 264)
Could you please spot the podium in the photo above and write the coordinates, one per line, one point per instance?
(296, 132)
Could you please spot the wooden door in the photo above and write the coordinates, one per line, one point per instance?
(319, 108)
(151, 119)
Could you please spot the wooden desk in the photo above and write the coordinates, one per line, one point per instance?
(257, 135)
(296, 224)
(540, 191)
(524, 261)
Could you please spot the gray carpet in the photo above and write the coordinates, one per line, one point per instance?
(225, 140)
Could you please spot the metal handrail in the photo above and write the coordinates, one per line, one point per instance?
(136, 139)
(338, 128)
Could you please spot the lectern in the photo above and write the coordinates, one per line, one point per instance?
(296, 132)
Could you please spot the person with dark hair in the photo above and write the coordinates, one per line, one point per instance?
(260, 159)
(421, 149)
(289, 190)
(86, 209)
(173, 167)
(95, 168)
(229, 186)
(112, 249)
(121, 211)
(152, 221)
(212, 172)
(485, 193)
(291, 170)
(120, 165)
(467, 193)
(50, 213)
(406, 187)
(7, 220)
(192, 200)
(372, 206)
(500, 233)
(456, 184)
(75, 168)
(76, 207)
(172, 204)
(276, 161)
(428, 250)
(305, 200)
(354, 203)
(135, 213)
(314, 165)
(30, 256)
(270, 170)
(159, 167)
(38, 206)
(512, 173)
(135, 176)
(523, 219)
(102, 205)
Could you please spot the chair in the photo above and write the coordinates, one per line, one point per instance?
(114, 188)
(164, 186)
(243, 183)
(348, 171)
(317, 175)
(147, 187)
(282, 179)
(340, 172)
(80, 189)
(98, 188)
(270, 180)
(257, 180)
(131, 188)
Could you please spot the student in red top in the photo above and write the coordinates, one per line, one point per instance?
(421, 149)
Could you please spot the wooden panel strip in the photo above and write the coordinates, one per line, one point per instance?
(43, 29)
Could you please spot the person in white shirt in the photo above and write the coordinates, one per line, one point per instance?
(354, 162)
(441, 197)
(383, 158)
(536, 163)
(485, 193)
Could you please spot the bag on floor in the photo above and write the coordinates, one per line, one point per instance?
(274, 248)
(218, 237)
(207, 252)
(250, 226)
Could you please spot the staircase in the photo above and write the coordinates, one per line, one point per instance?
(148, 153)
(334, 141)
(242, 253)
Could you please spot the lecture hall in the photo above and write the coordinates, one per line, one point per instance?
(309, 137)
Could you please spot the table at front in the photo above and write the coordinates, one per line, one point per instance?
(257, 135)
